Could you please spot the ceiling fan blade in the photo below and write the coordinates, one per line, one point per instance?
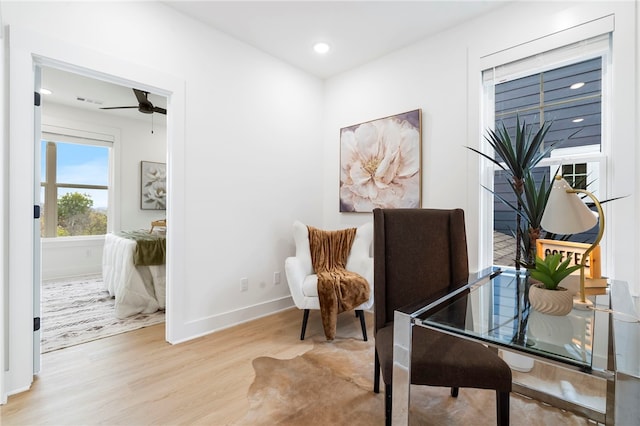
(144, 105)
(141, 96)
(120, 107)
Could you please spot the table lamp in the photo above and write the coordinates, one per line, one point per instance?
(567, 214)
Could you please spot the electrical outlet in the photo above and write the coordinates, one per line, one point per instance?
(244, 284)
(276, 278)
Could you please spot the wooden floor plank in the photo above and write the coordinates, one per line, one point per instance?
(137, 378)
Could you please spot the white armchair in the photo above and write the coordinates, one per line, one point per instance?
(303, 282)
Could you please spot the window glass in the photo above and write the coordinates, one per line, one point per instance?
(82, 164)
(570, 97)
(75, 189)
(575, 175)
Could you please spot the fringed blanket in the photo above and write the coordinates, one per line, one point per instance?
(339, 290)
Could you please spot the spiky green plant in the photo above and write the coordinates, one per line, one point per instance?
(520, 156)
(531, 204)
(550, 271)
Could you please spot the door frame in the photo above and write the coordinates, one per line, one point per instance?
(26, 49)
(37, 246)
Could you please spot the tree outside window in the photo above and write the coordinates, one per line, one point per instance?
(75, 189)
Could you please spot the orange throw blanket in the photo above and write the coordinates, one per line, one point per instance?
(339, 290)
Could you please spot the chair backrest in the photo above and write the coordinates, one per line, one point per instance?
(419, 254)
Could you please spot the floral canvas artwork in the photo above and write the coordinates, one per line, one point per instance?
(380, 163)
(153, 186)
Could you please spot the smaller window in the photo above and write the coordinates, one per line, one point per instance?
(75, 189)
(575, 175)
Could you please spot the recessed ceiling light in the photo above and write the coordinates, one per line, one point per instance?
(44, 91)
(321, 48)
(577, 85)
(578, 120)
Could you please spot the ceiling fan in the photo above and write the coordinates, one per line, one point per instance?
(144, 105)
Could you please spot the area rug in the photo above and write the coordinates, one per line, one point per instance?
(80, 310)
(332, 385)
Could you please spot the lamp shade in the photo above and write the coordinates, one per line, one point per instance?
(565, 212)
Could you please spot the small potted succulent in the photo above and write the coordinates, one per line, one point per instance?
(545, 293)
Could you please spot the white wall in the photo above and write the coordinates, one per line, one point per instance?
(4, 218)
(440, 76)
(134, 142)
(255, 129)
(250, 165)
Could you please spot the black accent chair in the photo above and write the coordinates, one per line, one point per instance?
(421, 254)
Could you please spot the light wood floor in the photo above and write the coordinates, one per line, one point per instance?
(137, 378)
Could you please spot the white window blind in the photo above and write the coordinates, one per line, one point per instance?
(585, 49)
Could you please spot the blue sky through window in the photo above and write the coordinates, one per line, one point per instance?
(80, 164)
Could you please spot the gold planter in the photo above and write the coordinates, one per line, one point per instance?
(550, 302)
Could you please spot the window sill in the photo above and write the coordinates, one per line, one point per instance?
(79, 241)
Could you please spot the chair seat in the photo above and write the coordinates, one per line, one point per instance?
(446, 361)
(310, 292)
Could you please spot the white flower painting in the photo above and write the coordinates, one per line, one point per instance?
(153, 186)
(380, 163)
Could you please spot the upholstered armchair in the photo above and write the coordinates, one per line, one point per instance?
(303, 282)
(421, 255)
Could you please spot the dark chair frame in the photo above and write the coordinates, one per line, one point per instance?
(427, 246)
(359, 314)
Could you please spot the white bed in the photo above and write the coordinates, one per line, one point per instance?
(136, 288)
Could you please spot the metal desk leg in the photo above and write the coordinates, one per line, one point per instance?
(610, 413)
(402, 332)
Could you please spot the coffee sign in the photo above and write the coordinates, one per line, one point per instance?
(574, 251)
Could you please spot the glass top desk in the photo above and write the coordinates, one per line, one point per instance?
(498, 314)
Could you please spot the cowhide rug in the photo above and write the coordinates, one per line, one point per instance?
(332, 384)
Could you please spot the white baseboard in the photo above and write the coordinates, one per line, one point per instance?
(204, 326)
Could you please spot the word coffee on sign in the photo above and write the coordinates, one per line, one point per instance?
(574, 251)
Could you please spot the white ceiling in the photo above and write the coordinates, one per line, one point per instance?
(358, 31)
(86, 93)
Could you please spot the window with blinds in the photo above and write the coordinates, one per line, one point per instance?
(566, 89)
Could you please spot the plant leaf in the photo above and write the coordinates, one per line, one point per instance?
(552, 262)
(544, 278)
(564, 270)
(542, 267)
(493, 160)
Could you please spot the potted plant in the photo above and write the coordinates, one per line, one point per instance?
(531, 205)
(545, 294)
(520, 155)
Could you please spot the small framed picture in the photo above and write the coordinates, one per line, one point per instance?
(153, 185)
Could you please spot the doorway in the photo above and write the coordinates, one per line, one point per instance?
(26, 49)
(90, 163)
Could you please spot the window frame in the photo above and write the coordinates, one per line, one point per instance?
(77, 132)
(487, 120)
